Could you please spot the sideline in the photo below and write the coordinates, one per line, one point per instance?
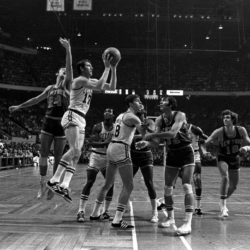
(135, 243)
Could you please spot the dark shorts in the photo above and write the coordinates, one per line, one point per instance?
(180, 158)
(232, 162)
(197, 169)
(142, 159)
(53, 128)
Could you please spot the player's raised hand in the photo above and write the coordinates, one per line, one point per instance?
(13, 109)
(65, 43)
(106, 58)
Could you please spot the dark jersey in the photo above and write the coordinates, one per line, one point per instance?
(230, 146)
(57, 102)
(182, 138)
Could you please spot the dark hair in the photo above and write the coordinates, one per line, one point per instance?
(130, 98)
(82, 64)
(234, 116)
(172, 101)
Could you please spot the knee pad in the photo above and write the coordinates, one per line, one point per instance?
(187, 188)
(168, 190)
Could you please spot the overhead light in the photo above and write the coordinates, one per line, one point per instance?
(191, 16)
(79, 34)
(220, 27)
(207, 37)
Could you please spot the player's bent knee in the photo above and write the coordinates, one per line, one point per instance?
(168, 190)
(187, 188)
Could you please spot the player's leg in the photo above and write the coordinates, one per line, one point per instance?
(198, 187)
(59, 145)
(46, 141)
(109, 181)
(147, 172)
(91, 178)
(126, 173)
(223, 169)
(234, 176)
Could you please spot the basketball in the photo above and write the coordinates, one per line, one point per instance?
(115, 53)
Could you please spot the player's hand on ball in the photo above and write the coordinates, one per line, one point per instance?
(13, 109)
(141, 144)
(106, 60)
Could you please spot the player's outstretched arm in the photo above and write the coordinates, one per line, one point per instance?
(69, 71)
(30, 102)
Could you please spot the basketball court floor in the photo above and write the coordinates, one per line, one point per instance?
(27, 223)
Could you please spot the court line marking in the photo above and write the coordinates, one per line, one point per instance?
(14, 174)
(134, 238)
(185, 243)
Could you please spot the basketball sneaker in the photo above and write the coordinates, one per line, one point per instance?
(184, 229)
(106, 216)
(66, 195)
(224, 213)
(198, 211)
(55, 188)
(42, 190)
(154, 218)
(80, 216)
(50, 195)
(122, 225)
(167, 223)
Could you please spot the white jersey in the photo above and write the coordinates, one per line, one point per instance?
(123, 132)
(80, 100)
(195, 139)
(104, 135)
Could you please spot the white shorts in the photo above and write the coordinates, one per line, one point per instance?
(197, 157)
(119, 154)
(97, 162)
(73, 119)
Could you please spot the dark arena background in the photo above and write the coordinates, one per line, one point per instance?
(196, 50)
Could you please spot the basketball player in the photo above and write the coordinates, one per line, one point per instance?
(119, 160)
(197, 135)
(143, 159)
(74, 122)
(172, 126)
(231, 137)
(57, 103)
(100, 139)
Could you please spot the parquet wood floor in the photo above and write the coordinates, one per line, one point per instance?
(30, 224)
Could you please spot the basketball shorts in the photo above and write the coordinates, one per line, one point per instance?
(232, 162)
(71, 118)
(181, 158)
(53, 128)
(142, 159)
(97, 162)
(118, 154)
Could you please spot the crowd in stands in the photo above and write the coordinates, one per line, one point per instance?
(196, 71)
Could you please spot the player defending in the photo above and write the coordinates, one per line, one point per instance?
(180, 156)
(100, 139)
(57, 103)
(230, 138)
(119, 159)
(74, 122)
(143, 159)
